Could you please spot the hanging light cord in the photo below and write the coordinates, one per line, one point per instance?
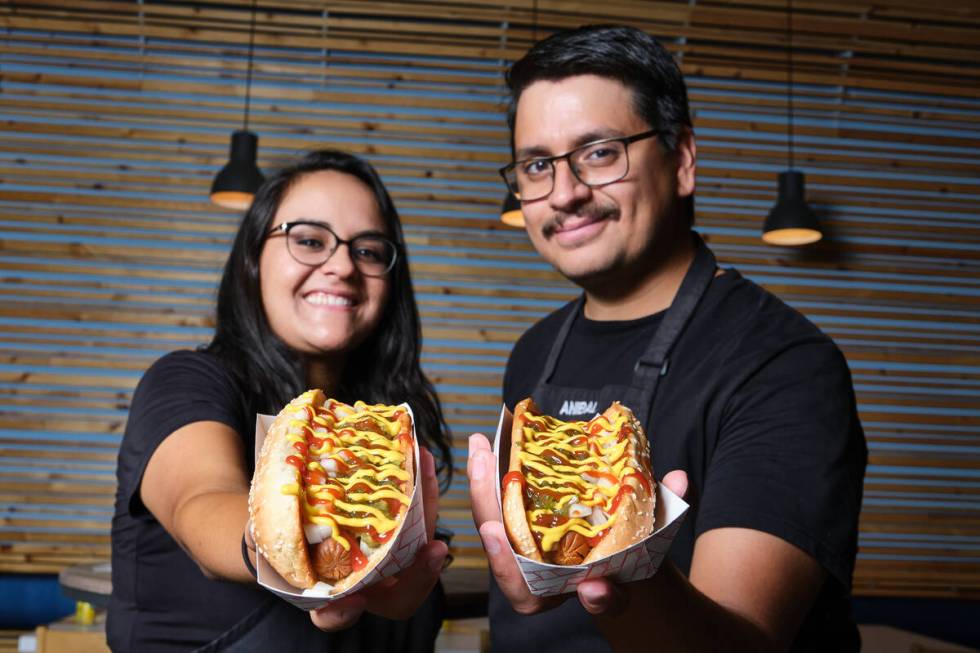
(534, 21)
(248, 74)
(789, 74)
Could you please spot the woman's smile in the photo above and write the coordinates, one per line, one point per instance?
(330, 307)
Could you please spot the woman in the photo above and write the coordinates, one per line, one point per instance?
(316, 293)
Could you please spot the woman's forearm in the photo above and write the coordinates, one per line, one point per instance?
(209, 527)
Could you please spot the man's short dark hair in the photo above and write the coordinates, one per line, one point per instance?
(626, 54)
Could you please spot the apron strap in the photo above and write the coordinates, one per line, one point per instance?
(654, 361)
(552, 362)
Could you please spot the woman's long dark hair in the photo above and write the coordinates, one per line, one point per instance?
(385, 368)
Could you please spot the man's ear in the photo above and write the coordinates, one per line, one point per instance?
(687, 158)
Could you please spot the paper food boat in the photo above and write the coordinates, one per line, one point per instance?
(407, 541)
(636, 562)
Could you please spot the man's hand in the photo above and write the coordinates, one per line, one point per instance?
(750, 589)
(599, 595)
(399, 596)
(482, 471)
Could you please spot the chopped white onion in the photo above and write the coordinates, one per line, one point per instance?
(300, 414)
(602, 481)
(320, 589)
(343, 412)
(330, 465)
(365, 549)
(316, 533)
(598, 516)
(579, 510)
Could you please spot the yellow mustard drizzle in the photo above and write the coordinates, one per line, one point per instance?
(379, 458)
(571, 480)
(551, 536)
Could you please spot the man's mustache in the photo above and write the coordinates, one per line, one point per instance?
(592, 212)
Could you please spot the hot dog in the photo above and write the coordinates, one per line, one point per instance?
(332, 486)
(576, 492)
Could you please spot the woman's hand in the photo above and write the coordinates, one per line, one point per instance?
(399, 596)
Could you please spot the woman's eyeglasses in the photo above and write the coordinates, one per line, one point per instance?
(313, 243)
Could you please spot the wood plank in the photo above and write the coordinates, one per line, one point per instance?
(895, 282)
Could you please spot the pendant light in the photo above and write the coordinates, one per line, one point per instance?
(791, 222)
(235, 185)
(511, 214)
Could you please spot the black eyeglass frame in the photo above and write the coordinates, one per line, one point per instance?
(284, 228)
(550, 160)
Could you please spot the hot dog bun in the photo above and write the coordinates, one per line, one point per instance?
(340, 473)
(277, 525)
(576, 492)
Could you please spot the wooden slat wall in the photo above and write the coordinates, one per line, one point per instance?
(116, 115)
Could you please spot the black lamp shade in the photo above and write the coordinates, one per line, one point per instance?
(234, 186)
(791, 221)
(511, 215)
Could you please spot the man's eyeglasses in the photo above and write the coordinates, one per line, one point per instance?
(313, 243)
(594, 164)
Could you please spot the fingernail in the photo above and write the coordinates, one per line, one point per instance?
(477, 467)
(436, 563)
(590, 598)
(490, 544)
(352, 608)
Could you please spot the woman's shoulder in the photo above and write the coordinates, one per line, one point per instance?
(188, 359)
(188, 376)
(183, 387)
(186, 366)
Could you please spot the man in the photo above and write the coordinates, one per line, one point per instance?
(735, 389)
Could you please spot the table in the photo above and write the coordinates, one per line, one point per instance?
(91, 583)
(466, 588)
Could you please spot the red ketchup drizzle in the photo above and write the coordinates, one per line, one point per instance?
(357, 558)
(513, 476)
(644, 481)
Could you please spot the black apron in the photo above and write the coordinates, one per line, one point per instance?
(278, 626)
(569, 623)
(272, 626)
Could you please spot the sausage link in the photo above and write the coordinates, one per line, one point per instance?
(572, 549)
(331, 561)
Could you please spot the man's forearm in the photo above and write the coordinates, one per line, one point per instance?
(667, 613)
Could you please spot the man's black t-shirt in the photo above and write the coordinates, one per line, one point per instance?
(161, 601)
(757, 407)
